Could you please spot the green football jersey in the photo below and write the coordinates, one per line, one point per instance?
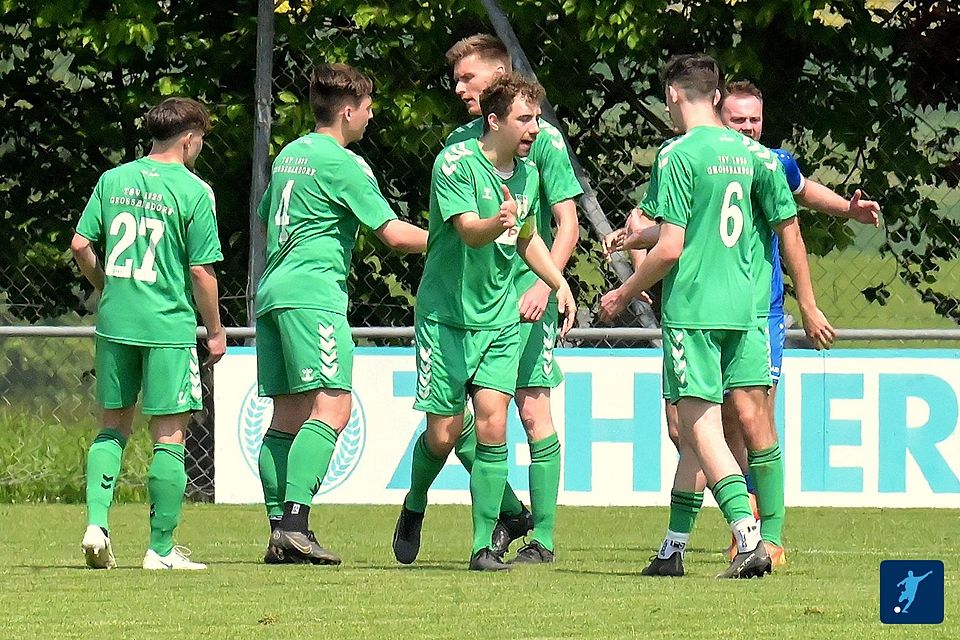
(153, 221)
(708, 181)
(558, 182)
(648, 204)
(318, 196)
(462, 286)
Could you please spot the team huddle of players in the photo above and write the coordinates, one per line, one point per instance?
(489, 310)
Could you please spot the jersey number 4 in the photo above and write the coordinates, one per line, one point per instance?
(731, 215)
(126, 226)
(282, 217)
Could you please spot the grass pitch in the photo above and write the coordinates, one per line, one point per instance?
(828, 590)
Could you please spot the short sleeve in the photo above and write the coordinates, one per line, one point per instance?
(795, 179)
(771, 191)
(557, 178)
(649, 202)
(91, 220)
(359, 192)
(674, 198)
(263, 209)
(203, 241)
(452, 185)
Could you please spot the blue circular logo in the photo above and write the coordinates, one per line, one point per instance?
(255, 414)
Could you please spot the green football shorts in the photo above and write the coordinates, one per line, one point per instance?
(168, 376)
(303, 349)
(537, 339)
(450, 359)
(702, 363)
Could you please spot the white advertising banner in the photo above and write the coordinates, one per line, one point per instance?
(858, 428)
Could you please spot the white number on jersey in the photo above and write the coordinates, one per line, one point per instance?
(282, 218)
(731, 213)
(125, 225)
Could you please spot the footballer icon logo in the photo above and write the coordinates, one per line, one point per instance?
(255, 414)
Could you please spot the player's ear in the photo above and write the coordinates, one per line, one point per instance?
(716, 98)
(494, 122)
(673, 94)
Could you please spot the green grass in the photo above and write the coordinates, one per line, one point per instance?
(829, 589)
(43, 460)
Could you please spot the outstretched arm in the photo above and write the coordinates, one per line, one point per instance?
(664, 255)
(824, 199)
(400, 235)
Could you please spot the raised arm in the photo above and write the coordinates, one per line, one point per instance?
(477, 232)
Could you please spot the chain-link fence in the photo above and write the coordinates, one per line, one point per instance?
(865, 97)
(49, 416)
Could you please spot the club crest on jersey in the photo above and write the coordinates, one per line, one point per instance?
(487, 193)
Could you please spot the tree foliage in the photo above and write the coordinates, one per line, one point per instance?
(869, 93)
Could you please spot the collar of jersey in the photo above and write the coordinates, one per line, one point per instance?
(489, 165)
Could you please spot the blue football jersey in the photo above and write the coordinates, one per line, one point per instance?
(795, 180)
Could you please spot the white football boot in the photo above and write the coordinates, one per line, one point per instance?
(179, 558)
(97, 550)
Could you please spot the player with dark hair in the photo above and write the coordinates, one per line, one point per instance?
(155, 222)
(477, 61)
(713, 249)
(741, 108)
(319, 194)
(484, 196)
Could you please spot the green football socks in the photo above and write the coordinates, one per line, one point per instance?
(487, 480)
(103, 468)
(466, 450)
(273, 470)
(166, 482)
(684, 507)
(731, 496)
(766, 467)
(308, 460)
(544, 487)
(424, 470)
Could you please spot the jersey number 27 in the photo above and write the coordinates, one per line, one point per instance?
(126, 226)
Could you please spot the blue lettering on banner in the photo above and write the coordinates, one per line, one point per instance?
(642, 430)
(453, 476)
(820, 432)
(896, 438)
(641, 433)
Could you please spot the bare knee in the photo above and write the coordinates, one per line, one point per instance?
(442, 434)
(534, 409)
(492, 428)
(332, 407)
(120, 420)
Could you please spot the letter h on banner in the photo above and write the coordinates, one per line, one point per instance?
(582, 430)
